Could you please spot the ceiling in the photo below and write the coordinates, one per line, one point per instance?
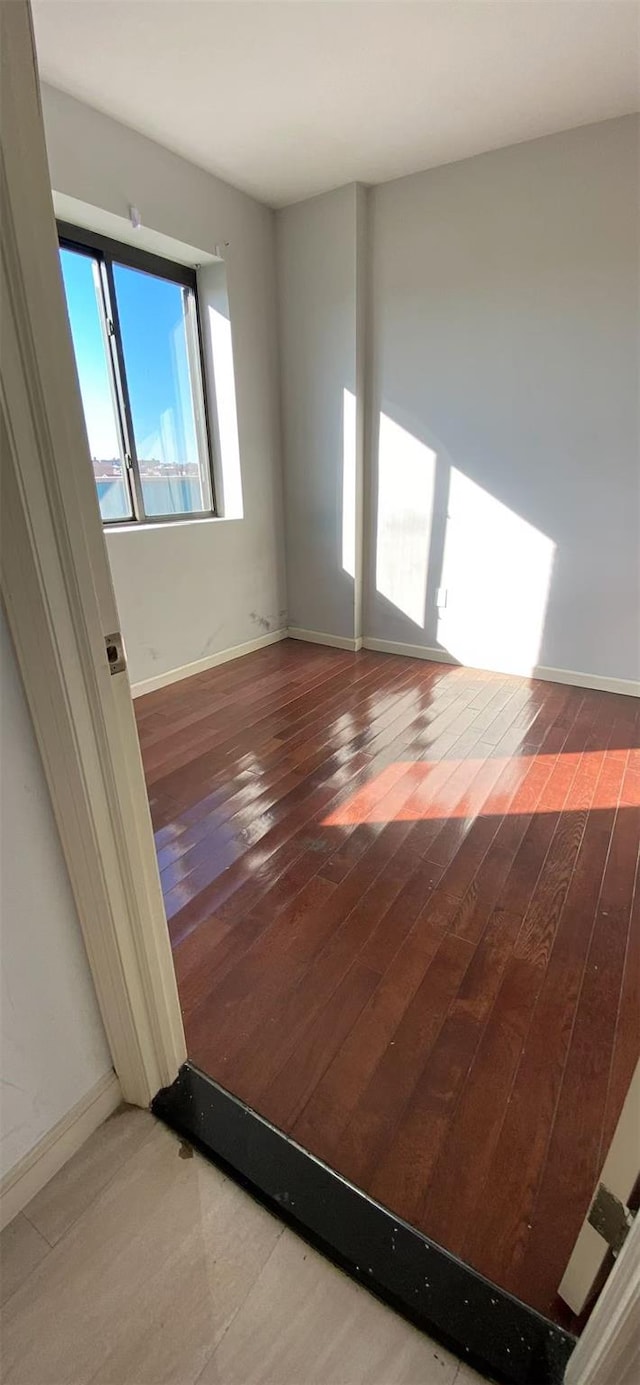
(290, 99)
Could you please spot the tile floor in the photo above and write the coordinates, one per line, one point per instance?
(142, 1264)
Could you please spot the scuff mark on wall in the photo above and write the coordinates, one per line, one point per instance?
(262, 621)
(213, 638)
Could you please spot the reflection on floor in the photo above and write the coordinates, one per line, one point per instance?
(400, 896)
(138, 1267)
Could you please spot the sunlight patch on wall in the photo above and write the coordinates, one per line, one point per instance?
(495, 579)
(349, 482)
(225, 388)
(406, 476)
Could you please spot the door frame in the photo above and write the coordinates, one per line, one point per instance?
(60, 606)
(619, 1176)
(58, 595)
(608, 1350)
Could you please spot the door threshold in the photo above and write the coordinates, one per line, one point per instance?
(482, 1324)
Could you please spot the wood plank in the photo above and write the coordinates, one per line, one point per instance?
(412, 1147)
(572, 1162)
(496, 1240)
(627, 1036)
(330, 1106)
(457, 1182)
(389, 1089)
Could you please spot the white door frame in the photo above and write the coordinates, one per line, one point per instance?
(59, 600)
(608, 1352)
(619, 1176)
(60, 604)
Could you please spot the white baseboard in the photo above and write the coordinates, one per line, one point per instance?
(319, 637)
(174, 675)
(36, 1168)
(626, 686)
(410, 651)
(575, 679)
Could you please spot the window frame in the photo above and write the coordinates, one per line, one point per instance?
(107, 252)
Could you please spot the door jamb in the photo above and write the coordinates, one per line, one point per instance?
(57, 592)
(609, 1348)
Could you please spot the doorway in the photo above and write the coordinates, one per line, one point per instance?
(55, 573)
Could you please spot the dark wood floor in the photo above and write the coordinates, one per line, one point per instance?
(401, 901)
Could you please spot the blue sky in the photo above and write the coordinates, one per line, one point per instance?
(151, 320)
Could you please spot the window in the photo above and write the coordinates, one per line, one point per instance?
(134, 324)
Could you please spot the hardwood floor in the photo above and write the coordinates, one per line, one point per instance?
(403, 906)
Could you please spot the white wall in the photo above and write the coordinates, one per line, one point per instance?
(54, 1049)
(187, 590)
(502, 321)
(316, 255)
(504, 317)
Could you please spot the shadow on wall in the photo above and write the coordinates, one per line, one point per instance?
(458, 565)
(322, 552)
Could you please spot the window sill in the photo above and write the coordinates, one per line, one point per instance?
(142, 527)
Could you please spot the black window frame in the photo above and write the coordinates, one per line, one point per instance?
(107, 252)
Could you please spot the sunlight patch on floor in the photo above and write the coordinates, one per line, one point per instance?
(415, 791)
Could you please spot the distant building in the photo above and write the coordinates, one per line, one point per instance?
(108, 468)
